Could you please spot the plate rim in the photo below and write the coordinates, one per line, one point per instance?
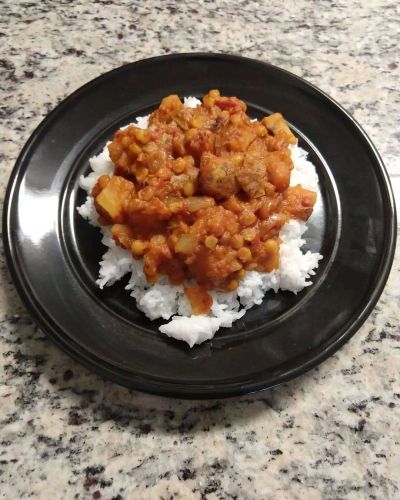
(38, 313)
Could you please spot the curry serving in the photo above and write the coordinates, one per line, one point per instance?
(202, 194)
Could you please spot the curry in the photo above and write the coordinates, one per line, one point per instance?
(202, 194)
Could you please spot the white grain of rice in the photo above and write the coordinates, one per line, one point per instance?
(169, 302)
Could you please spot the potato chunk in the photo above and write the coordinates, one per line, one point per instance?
(299, 202)
(279, 165)
(276, 124)
(111, 199)
(235, 137)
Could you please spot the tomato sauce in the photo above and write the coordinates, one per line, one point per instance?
(202, 194)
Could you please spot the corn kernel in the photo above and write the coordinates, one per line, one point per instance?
(135, 149)
(237, 241)
(208, 101)
(138, 247)
(249, 233)
(164, 173)
(142, 136)
(188, 188)
(271, 246)
(241, 274)
(236, 119)
(195, 123)
(210, 98)
(158, 239)
(247, 218)
(232, 285)
(141, 174)
(211, 242)
(190, 134)
(244, 254)
(179, 165)
(147, 193)
(175, 206)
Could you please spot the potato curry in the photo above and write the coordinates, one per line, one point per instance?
(202, 193)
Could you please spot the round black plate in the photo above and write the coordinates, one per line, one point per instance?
(53, 254)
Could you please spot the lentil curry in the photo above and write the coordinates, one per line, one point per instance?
(202, 194)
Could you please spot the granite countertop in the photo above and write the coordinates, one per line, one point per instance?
(332, 433)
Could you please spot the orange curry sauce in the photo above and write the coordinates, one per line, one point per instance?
(202, 194)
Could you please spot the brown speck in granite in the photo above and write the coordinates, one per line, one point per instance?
(68, 374)
(34, 376)
(18, 356)
(105, 483)
(96, 494)
(186, 474)
(76, 419)
(94, 469)
(89, 481)
(145, 428)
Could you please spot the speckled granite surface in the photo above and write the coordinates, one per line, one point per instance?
(333, 433)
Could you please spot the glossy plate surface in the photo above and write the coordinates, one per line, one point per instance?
(53, 254)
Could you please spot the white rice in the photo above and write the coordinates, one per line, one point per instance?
(169, 302)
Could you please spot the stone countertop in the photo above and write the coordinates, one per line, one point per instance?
(332, 433)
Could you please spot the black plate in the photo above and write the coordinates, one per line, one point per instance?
(53, 253)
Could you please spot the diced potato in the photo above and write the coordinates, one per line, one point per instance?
(299, 202)
(278, 167)
(275, 123)
(195, 203)
(110, 202)
(122, 234)
(186, 244)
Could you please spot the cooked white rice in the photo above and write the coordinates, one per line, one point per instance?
(163, 300)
